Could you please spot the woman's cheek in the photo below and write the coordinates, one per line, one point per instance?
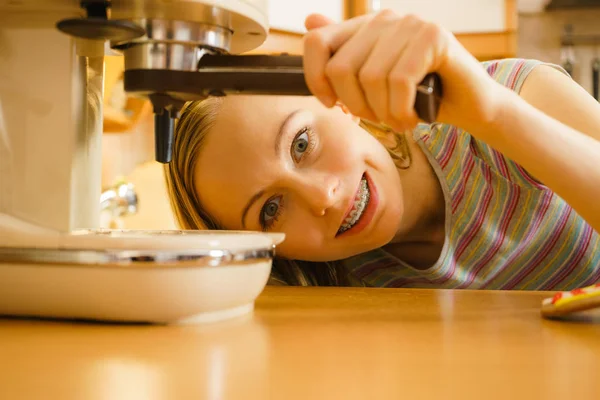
(342, 149)
(301, 238)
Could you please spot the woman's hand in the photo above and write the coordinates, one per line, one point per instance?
(374, 63)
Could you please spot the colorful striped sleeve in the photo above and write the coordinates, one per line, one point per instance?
(512, 72)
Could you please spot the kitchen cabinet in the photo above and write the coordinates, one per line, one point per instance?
(458, 16)
(487, 28)
(289, 15)
(121, 112)
(286, 20)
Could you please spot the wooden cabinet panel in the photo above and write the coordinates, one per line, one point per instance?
(458, 16)
(279, 41)
(289, 15)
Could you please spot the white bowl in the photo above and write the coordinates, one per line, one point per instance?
(138, 276)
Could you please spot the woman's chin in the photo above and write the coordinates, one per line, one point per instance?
(340, 249)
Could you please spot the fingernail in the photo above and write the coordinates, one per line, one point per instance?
(329, 101)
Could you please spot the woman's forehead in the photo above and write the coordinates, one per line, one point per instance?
(265, 109)
(248, 112)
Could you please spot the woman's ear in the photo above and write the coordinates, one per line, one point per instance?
(347, 112)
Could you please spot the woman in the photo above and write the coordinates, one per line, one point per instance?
(499, 194)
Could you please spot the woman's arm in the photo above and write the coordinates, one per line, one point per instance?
(557, 95)
(533, 130)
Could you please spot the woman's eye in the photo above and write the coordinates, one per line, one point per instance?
(270, 212)
(300, 145)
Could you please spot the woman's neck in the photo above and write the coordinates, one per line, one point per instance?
(424, 205)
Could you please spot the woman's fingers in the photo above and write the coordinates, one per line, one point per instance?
(373, 64)
(343, 68)
(315, 21)
(419, 58)
(373, 75)
(319, 45)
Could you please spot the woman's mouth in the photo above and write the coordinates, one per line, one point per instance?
(354, 220)
(360, 204)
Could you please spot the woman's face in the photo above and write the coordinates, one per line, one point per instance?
(291, 165)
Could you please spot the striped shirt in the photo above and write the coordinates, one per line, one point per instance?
(504, 229)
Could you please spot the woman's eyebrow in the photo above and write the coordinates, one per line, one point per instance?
(282, 129)
(278, 137)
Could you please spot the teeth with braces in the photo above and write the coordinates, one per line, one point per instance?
(360, 203)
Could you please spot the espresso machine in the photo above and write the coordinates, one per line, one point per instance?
(54, 261)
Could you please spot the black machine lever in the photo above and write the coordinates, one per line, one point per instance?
(427, 103)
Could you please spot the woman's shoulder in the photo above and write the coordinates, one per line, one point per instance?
(512, 72)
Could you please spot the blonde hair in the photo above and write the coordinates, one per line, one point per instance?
(197, 119)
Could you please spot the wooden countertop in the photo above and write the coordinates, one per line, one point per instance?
(316, 343)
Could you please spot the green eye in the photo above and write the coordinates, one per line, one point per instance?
(270, 212)
(300, 145)
(271, 209)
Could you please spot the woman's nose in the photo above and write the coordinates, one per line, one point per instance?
(319, 191)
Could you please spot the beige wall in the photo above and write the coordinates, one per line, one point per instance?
(539, 37)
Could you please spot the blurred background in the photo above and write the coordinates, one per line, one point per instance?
(564, 32)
